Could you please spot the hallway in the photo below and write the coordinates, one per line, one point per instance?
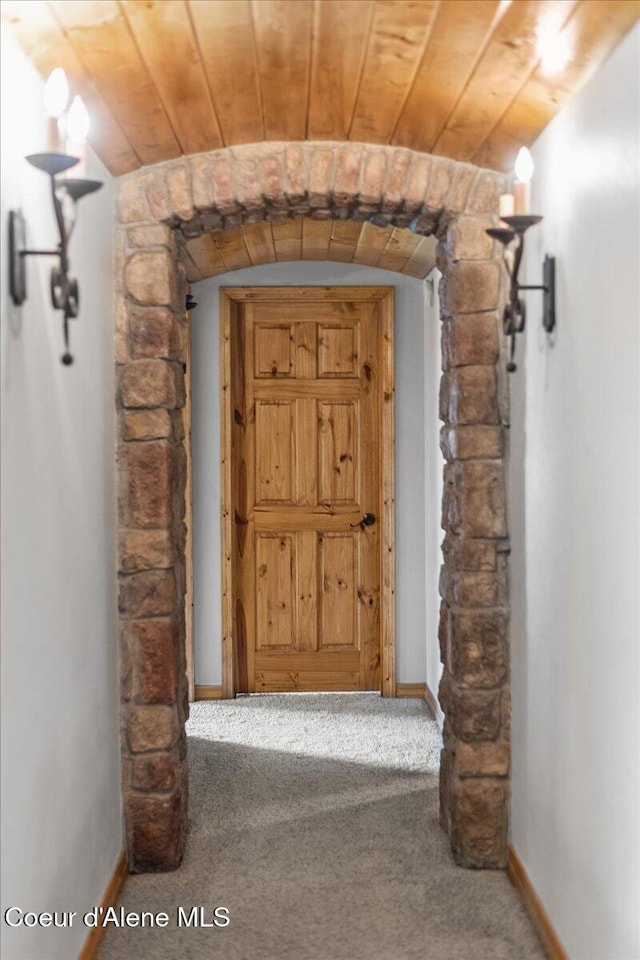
(233, 466)
(314, 819)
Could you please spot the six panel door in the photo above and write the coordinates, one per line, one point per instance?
(306, 451)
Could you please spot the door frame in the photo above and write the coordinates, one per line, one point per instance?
(230, 297)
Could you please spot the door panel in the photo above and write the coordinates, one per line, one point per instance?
(337, 350)
(276, 570)
(273, 350)
(275, 451)
(337, 590)
(338, 452)
(307, 396)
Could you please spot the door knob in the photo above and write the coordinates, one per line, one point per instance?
(367, 521)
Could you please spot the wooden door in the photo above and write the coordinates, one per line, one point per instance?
(307, 385)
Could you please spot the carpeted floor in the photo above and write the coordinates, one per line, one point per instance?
(314, 820)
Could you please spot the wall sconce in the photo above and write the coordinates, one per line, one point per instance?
(514, 214)
(65, 193)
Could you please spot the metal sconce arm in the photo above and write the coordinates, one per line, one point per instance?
(514, 316)
(64, 192)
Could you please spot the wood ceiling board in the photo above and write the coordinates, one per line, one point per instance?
(505, 66)
(594, 30)
(225, 35)
(423, 258)
(399, 32)
(287, 239)
(371, 244)
(40, 35)
(347, 231)
(463, 91)
(336, 66)
(400, 247)
(231, 247)
(97, 30)
(258, 239)
(193, 274)
(283, 41)
(316, 235)
(205, 255)
(455, 45)
(341, 252)
(164, 36)
(346, 241)
(345, 235)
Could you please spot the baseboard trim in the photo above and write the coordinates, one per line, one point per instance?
(109, 899)
(214, 691)
(418, 690)
(539, 916)
(434, 706)
(208, 691)
(411, 690)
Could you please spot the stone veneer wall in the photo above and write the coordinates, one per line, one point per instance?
(160, 207)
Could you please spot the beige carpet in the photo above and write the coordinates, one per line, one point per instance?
(314, 820)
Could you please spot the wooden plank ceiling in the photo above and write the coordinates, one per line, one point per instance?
(391, 248)
(458, 78)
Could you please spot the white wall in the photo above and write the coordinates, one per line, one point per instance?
(575, 490)
(433, 466)
(61, 819)
(412, 492)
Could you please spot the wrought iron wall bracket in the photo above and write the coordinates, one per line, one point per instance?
(514, 316)
(64, 194)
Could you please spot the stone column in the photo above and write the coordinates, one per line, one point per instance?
(474, 616)
(151, 460)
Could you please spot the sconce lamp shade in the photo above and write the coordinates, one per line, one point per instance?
(56, 93)
(77, 121)
(524, 165)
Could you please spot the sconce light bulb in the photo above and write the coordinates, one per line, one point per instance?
(524, 165)
(56, 92)
(77, 121)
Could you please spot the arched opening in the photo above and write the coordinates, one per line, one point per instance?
(209, 212)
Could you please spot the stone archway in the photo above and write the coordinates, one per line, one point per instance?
(159, 208)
